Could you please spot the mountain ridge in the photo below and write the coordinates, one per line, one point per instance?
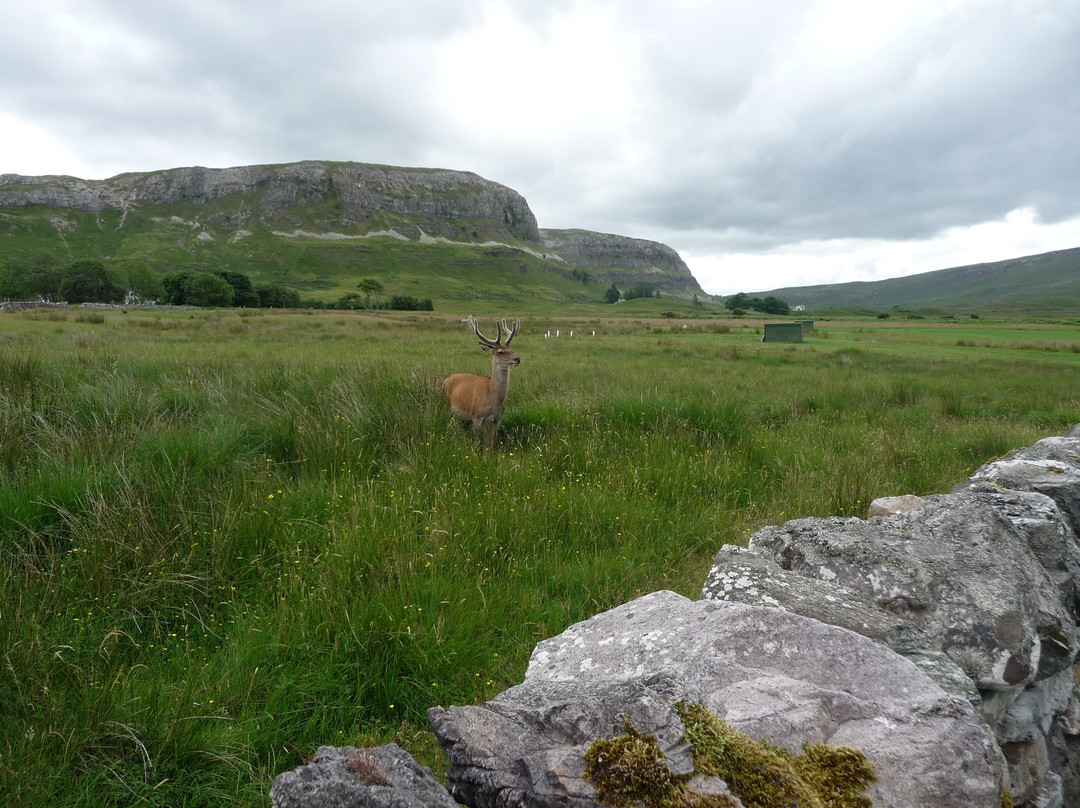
(1044, 283)
(197, 217)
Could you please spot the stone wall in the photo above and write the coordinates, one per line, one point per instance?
(978, 588)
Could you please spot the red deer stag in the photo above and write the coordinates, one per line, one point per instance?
(482, 399)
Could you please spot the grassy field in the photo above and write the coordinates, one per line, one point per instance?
(230, 537)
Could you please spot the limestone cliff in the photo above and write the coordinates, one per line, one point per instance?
(350, 197)
(622, 260)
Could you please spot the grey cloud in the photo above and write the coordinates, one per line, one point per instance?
(739, 135)
(954, 136)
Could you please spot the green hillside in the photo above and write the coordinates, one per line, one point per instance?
(1038, 285)
(183, 236)
(318, 228)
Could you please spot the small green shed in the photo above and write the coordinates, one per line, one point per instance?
(783, 332)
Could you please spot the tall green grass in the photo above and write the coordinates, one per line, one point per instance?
(229, 539)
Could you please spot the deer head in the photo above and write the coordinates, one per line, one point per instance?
(499, 350)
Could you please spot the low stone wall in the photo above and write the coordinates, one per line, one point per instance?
(938, 637)
(18, 305)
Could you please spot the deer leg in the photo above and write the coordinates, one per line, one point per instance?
(494, 434)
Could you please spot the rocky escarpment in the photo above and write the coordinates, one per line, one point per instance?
(355, 197)
(622, 260)
(315, 200)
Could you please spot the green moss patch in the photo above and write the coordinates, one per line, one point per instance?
(631, 769)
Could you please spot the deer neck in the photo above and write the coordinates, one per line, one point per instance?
(500, 382)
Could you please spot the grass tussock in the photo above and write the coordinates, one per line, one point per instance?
(226, 540)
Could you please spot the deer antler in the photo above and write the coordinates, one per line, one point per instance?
(493, 343)
(510, 333)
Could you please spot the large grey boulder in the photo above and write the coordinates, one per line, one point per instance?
(347, 777)
(770, 673)
(1051, 467)
(741, 575)
(961, 568)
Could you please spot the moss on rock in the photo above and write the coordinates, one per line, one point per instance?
(631, 769)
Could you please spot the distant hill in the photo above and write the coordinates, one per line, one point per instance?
(1046, 284)
(321, 227)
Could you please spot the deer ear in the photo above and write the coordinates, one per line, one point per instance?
(488, 348)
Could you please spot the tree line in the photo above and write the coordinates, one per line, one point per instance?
(91, 281)
(370, 297)
(638, 290)
(742, 302)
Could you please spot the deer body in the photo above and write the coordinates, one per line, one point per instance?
(482, 399)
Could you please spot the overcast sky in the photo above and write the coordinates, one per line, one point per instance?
(770, 142)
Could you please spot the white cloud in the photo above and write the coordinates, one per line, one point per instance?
(40, 151)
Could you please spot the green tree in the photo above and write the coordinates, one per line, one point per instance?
(409, 303)
(175, 285)
(773, 305)
(353, 300)
(143, 282)
(737, 301)
(277, 296)
(244, 295)
(371, 289)
(639, 290)
(30, 279)
(87, 281)
(207, 289)
(613, 294)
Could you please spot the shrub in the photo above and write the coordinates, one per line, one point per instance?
(409, 303)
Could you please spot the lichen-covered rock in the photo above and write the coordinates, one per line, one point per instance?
(1050, 467)
(769, 673)
(962, 568)
(347, 777)
(527, 745)
(741, 575)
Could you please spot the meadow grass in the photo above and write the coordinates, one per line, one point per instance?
(228, 538)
